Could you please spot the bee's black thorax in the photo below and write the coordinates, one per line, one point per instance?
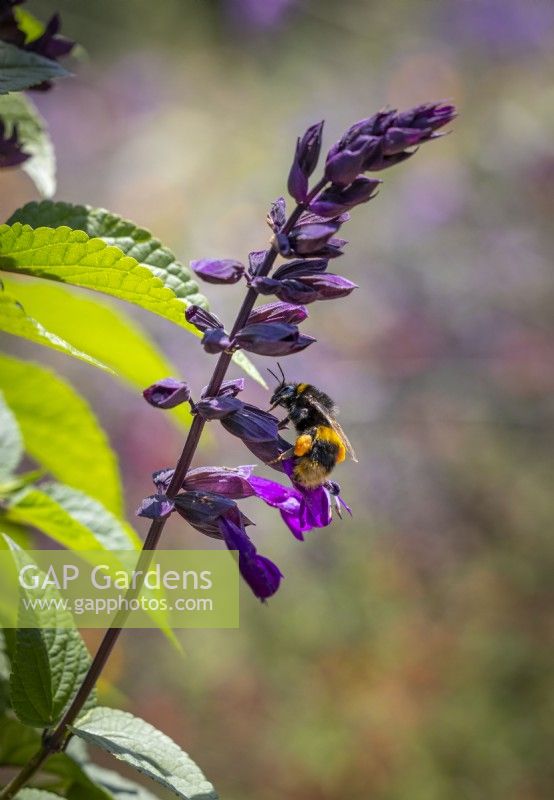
(303, 414)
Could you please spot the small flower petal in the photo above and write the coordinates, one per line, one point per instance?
(228, 388)
(251, 424)
(278, 312)
(216, 341)
(217, 407)
(230, 482)
(222, 270)
(201, 319)
(167, 393)
(305, 161)
(277, 215)
(259, 572)
(335, 200)
(157, 506)
(202, 510)
(272, 339)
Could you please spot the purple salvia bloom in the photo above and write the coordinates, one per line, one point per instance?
(162, 478)
(157, 506)
(230, 482)
(285, 498)
(308, 239)
(300, 268)
(11, 153)
(167, 393)
(335, 200)
(259, 572)
(346, 158)
(305, 285)
(278, 312)
(251, 424)
(216, 341)
(222, 270)
(305, 161)
(228, 388)
(202, 510)
(255, 260)
(315, 507)
(217, 407)
(272, 339)
(201, 319)
(277, 215)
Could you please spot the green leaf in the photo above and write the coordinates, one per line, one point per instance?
(28, 23)
(151, 752)
(119, 787)
(94, 325)
(14, 320)
(136, 242)
(60, 430)
(50, 660)
(133, 241)
(19, 743)
(68, 256)
(11, 441)
(71, 518)
(20, 69)
(16, 109)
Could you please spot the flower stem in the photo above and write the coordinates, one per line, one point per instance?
(55, 741)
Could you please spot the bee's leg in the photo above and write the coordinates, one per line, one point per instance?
(287, 454)
(284, 422)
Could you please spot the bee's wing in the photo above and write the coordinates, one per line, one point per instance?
(335, 426)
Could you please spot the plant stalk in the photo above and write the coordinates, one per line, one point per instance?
(54, 742)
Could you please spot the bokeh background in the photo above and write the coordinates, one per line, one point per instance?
(407, 653)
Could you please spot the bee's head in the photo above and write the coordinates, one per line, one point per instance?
(283, 395)
(284, 392)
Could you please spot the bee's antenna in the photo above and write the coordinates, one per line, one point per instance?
(274, 375)
(282, 373)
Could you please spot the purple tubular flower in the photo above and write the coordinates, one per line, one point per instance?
(259, 572)
(202, 319)
(227, 389)
(305, 161)
(222, 270)
(336, 200)
(307, 239)
(217, 407)
(251, 424)
(157, 506)
(255, 260)
(277, 215)
(167, 393)
(203, 509)
(278, 312)
(11, 153)
(385, 139)
(315, 507)
(233, 483)
(304, 282)
(216, 340)
(272, 339)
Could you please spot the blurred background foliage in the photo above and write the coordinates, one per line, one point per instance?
(406, 654)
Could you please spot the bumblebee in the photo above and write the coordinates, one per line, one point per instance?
(321, 443)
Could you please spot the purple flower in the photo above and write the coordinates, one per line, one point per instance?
(11, 153)
(227, 388)
(260, 573)
(309, 239)
(272, 339)
(336, 199)
(304, 282)
(203, 509)
(217, 407)
(167, 393)
(230, 482)
(278, 312)
(305, 161)
(202, 319)
(222, 270)
(251, 424)
(255, 260)
(385, 139)
(157, 506)
(216, 341)
(277, 215)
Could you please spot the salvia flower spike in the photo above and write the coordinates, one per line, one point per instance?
(208, 497)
